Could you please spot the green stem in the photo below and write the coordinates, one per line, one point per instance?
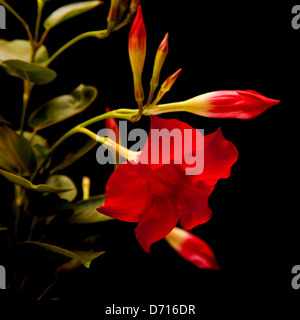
(125, 114)
(47, 289)
(24, 23)
(97, 34)
(26, 97)
(38, 20)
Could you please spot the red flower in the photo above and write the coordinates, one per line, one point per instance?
(192, 249)
(158, 195)
(221, 104)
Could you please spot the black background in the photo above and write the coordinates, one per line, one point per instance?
(254, 228)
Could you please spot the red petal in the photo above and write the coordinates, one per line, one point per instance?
(193, 204)
(173, 132)
(128, 192)
(192, 249)
(138, 29)
(219, 155)
(156, 222)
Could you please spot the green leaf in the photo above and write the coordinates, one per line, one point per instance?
(19, 49)
(28, 185)
(63, 181)
(62, 107)
(28, 71)
(69, 11)
(16, 153)
(85, 257)
(86, 211)
(39, 145)
(72, 157)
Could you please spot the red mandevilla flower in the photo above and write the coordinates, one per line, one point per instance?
(158, 195)
(221, 104)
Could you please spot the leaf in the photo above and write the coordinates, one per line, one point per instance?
(86, 211)
(16, 153)
(63, 181)
(28, 185)
(62, 107)
(49, 206)
(72, 157)
(85, 257)
(39, 145)
(28, 71)
(19, 49)
(69, 11)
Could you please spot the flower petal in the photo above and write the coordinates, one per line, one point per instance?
(219, 156)
(156, 222)
(192, 249)
(128, 192)
(167, 143)
(193, 204)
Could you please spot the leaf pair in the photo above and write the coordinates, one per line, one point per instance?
(15, 59)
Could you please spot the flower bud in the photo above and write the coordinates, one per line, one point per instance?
(137, 54)
(221, 104)
(192, 249)
(165, 87)
(160, 57)
(112, 14)
(133, 5)
(86, 184)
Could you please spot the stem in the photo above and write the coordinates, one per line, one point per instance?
(19, 198)
(125, 114)
(26, 97)
(47, 289)
(110, 144)
(38, 20)
(56, 144)
(43, 37)
(24, 23)
(97, 34)
(164, 108)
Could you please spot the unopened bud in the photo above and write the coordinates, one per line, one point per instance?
(166, 86)
(86, 184)
(113, 13)
(160, 57)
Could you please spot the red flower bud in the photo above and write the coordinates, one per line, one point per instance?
(160, 57)
(221, 104)
(137, 53)
(192, 249)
